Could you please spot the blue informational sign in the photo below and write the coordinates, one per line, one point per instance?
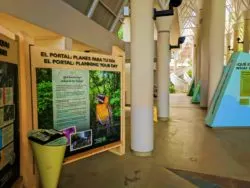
(230, 106)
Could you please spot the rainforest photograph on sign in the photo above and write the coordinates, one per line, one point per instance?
(83, 104)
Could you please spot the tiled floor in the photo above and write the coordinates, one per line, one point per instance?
(183, 143)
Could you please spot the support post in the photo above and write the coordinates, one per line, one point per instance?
(236, 36)
(228, 53)
(142, 54)
(198, 38)
(246, 45)
(92, 8)
(27, 164)
(198, 57)
(163, 25)
(204, 54)
(216, 45)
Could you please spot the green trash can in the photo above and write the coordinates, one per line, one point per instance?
(48, 148)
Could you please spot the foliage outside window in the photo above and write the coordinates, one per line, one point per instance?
(120, 33)
(172, 88)
(190, 73)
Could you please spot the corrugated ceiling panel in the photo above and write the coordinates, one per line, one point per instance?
(103, 17)
(114, 5)
(81, 5)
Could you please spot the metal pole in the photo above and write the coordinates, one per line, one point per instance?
(92, 8)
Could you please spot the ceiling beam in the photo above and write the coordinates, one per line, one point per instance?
(107, 8)
(117, 19)
(92, 8)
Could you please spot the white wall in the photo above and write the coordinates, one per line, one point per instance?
(59, 17)
(56, 43)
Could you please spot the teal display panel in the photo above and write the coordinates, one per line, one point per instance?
(230, 105)
(196, 95)
(191, 89)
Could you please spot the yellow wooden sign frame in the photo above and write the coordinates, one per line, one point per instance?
(37, 61)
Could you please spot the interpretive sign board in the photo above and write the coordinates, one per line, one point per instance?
(9, 112)
(230, 105)
(79, 94)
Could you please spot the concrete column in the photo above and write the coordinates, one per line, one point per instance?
(198, 56)
(204, 54)
(126, 38)
(246, 46)
(194, 54)
(126, 29)
(216, 44)
(163, 25)
(236, 28)
(198, 39)
(127, 83)
(228, 37)
(142, 54)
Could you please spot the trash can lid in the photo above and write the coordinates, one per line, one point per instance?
(49, 137)
(58, 142)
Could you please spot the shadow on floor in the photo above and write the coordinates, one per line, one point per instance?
(210, 181)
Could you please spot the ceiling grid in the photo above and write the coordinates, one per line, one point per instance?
(107, 13)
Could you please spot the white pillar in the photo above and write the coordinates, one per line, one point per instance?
(228, 37)
(198, 56)
(127, 83)
(194, 56)
(246, 46)
(204, 56)
(126, 29)
(236, 28)
(198, 38)
(127, 39)
(163, 25)
(216, 45)
(142, 54)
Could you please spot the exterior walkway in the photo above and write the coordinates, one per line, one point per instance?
(184, 143)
